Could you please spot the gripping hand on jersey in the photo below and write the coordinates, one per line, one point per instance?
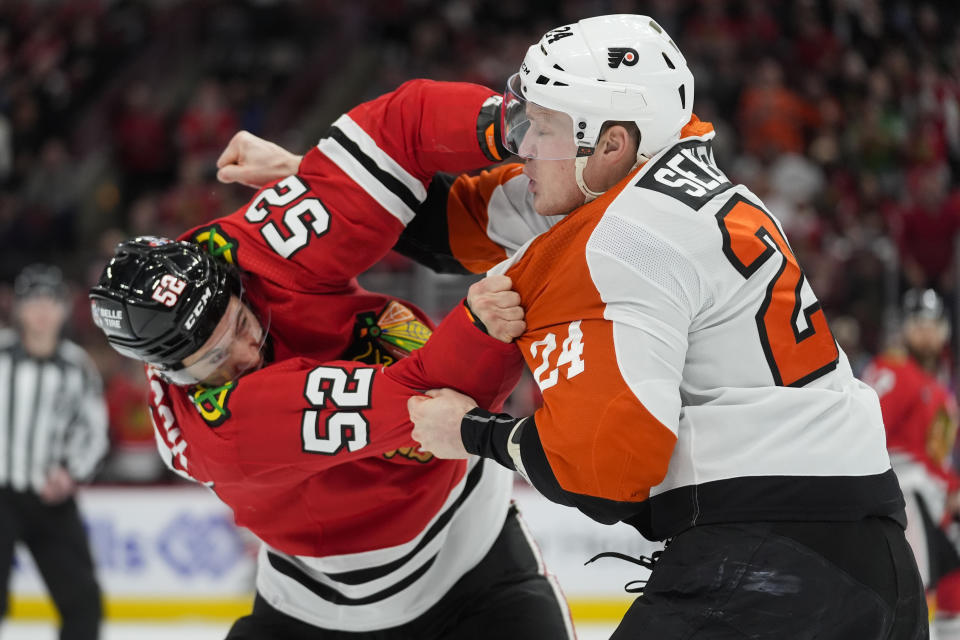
(254, 161)
(436, 421)
(498, 307)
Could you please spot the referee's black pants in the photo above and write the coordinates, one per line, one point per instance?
(55, 536)
(782, 581)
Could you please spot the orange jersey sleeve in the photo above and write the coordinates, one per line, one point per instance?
(468, 218)
(469, 223)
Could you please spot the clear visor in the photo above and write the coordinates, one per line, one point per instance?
(217, 365)
(535, 132)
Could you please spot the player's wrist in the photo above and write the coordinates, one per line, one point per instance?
(474, 318)
(487, 434)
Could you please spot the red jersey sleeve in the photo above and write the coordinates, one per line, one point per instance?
(356, 190)
(460, 356)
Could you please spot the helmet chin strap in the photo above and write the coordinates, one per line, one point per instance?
(588, 193)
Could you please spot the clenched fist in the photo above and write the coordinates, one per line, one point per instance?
(498, 307)
(254, 161)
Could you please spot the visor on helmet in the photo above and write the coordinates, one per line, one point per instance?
(532, 131)
(214, 366)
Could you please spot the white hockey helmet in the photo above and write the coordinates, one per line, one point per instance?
(608, 68)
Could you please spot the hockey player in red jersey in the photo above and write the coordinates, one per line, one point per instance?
(281, 384)
(920, 416)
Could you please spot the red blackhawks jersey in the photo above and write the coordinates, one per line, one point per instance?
(920, 417)
(313, 451)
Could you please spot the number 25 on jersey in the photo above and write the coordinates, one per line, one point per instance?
(795, 357)
(301, 218)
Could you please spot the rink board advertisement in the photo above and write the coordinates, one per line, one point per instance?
(165, 552)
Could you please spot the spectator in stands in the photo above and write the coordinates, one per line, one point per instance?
(773, 118)
(927, 229)
(207, 124)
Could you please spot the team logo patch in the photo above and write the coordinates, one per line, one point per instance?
(154, 241)
(211, 402)
(389, 337)
(217, 243)
(621, 55)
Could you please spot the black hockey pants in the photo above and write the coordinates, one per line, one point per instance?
(782, 581)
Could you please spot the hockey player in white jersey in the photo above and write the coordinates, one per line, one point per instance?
(691, 383)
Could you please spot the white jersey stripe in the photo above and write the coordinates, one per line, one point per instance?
(394, 189)
(394, 205)
(386, 555)
(369, 147)
(459, 546)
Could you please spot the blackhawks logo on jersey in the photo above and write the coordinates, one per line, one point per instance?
(211, 402)
(411, 453)
(217, 243)
(386, 338)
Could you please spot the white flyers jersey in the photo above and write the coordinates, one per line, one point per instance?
(686, 366)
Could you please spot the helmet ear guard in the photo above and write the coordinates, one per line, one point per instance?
(159, 300)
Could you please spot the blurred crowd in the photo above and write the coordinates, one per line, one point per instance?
(843, 115)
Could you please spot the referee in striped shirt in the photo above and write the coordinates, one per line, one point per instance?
(53, 433)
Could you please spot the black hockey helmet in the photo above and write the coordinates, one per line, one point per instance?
(39, 280)
(159, 300)
(923, 303)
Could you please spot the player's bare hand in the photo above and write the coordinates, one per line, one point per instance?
(254, 161)
(498, 307)
(436, 421)
(58, 487)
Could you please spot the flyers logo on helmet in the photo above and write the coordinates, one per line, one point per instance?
(621, 55)
(217, 243)
(211, 402)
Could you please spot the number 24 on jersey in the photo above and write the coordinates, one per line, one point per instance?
(570, 356)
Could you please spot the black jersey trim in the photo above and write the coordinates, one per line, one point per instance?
(360, 576)
(289, 569)
(386, 178)
(771, 498)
